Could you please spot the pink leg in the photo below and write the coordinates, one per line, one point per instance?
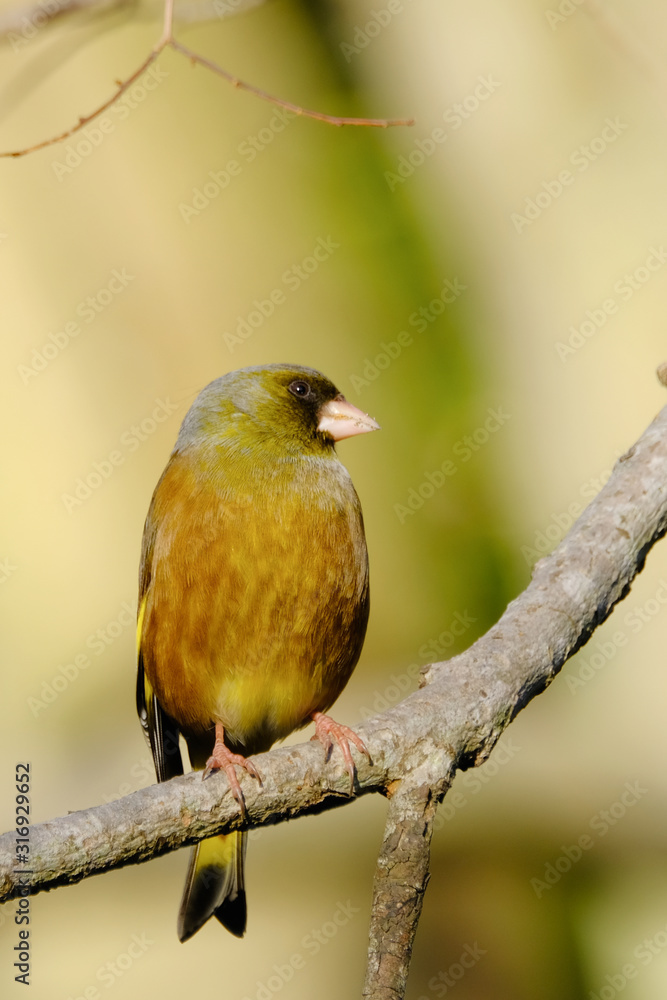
(325, 728)
(223, 758)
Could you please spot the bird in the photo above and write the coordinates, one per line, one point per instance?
(253, 596)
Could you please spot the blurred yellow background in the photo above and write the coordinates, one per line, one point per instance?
(492, 288)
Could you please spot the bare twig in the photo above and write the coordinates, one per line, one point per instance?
(168, 24)
(452, 723)
(295, 108)
(167, 40)
(82, 122)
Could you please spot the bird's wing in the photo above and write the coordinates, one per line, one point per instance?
(160, 729)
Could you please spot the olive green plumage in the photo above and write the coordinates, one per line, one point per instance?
(253, 597)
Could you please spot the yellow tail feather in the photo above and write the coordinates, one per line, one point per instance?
(215, 886)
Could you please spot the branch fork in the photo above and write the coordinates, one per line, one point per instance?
(451, 723)
(167, 40)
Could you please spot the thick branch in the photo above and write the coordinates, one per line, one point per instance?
(452, 722)
(401, 878)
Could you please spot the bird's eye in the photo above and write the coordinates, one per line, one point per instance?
(300, 389)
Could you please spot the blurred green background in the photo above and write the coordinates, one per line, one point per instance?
(510, 245)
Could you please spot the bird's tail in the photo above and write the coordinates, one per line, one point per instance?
(215, 886)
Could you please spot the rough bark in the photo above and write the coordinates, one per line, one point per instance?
(452, 722)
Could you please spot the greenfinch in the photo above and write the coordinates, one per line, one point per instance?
(253, 595)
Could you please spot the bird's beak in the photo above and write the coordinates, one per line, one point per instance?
(341, 419)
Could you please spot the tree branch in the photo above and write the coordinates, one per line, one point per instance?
(401, 878)
(452, 723)
(86, 119)
(167, 40)
(249, 88)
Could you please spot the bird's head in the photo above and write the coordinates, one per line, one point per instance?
(288, 408)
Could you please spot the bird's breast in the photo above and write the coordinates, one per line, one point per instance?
(257, 603)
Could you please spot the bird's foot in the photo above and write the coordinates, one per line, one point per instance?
(326, 728)
(223, 758)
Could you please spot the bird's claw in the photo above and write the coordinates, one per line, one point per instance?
(326, 728)
(222, 758)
